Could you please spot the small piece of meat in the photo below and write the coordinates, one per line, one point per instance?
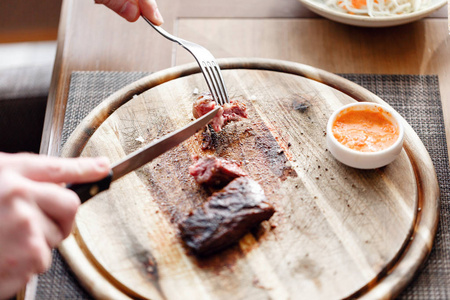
(226, 216)
(215, 171)
(204, 104)
(232, 111)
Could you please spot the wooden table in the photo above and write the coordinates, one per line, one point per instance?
(93, 38)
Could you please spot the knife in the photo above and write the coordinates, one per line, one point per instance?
(140, 157)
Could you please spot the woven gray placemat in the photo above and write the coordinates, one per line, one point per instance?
(415, 97)
(87, 90)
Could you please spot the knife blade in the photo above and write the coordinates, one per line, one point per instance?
(141, 157)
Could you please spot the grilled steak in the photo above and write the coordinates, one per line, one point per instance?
(215, 171)
(203, 105)
(232, 111)
(227, 216)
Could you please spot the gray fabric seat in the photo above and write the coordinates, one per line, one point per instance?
(25, 74)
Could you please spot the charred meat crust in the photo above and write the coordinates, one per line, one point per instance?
(227, 216)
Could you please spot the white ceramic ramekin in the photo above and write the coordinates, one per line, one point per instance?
(359, 159)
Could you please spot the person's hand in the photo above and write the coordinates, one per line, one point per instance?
(37, 211)
(132, 9)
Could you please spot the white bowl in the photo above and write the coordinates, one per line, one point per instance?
(359, 159)
(320, 8)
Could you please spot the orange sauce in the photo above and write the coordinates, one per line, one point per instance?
(365, 130)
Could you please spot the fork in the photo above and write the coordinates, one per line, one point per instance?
(206, 61)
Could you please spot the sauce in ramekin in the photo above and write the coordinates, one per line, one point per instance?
(367, 130)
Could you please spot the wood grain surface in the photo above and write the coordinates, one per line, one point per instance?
(337, 232)
(417, 48)
(92, 38)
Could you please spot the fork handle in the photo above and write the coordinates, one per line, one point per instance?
(164, 33)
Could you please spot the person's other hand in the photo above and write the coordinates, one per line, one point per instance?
(37, 211)
(132, 9)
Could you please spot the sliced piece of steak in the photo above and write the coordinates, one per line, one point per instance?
(227, 216)
(204, 104)
(232, 111)
(215, 171)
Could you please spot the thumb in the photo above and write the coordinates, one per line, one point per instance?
(149, 9)
(128, 9)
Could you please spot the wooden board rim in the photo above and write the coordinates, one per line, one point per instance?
(388, 284)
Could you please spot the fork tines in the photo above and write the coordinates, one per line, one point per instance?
(206, 60)
(214, 80)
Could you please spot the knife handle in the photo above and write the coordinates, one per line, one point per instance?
(88, 190)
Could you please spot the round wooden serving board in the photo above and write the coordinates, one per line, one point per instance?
(338, 232)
